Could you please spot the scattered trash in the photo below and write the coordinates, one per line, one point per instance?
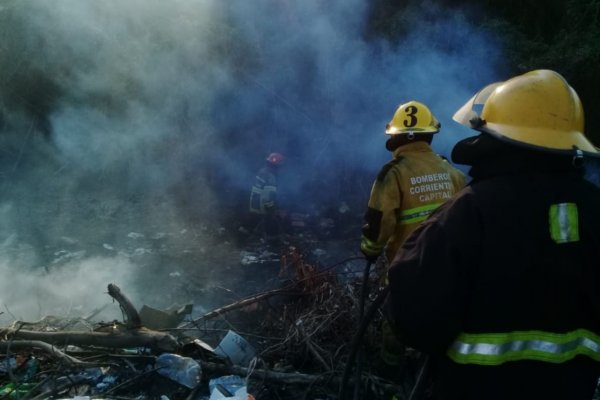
(7, 364)
(326, 223)
(319, 252)
(183, 370)
(236, 349)
(157, 319)
(249, 258)
(133, 360)
(298, 220)
(64, 256)
(15, 390)
(228, 387)
(106, 382)
(141, 251)
(343, 208)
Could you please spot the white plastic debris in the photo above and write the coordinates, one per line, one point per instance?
(184, 370)
(236, 348)
(228, 387)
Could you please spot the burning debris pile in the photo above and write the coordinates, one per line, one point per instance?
(290, 342)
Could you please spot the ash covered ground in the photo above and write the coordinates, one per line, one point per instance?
(59, 259)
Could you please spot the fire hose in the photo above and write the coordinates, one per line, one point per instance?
(364, 293)
(364, 322)
(356, 341)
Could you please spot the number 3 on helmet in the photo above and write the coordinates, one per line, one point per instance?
(412, 118)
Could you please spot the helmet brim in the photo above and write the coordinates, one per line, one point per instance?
(542, 139)
(467, 113)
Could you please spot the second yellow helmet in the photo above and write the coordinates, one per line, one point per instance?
(538, 109)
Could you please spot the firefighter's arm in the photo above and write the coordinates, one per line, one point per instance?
(380, 218)
(431, 277)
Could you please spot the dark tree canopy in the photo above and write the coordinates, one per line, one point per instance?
(554, 34)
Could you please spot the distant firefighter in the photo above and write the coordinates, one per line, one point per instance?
(501, 285)
(263, 195)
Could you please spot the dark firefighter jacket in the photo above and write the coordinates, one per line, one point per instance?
(264, 192)
(406, 191)
(501, 286)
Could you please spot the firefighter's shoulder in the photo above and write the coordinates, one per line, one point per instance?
(387, 167)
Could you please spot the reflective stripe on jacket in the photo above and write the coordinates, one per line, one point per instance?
(498, 348)
(263, 193)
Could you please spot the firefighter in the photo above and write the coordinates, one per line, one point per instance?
(501, 285)
(406, 191)
(263, 196)
(409, 187)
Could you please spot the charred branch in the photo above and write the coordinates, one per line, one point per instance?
(46, 347)
(154, 340)
(132, 317)
(240, 304)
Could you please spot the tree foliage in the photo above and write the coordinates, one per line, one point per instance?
(554, 34)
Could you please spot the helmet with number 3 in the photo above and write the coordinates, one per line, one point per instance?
(412, 118)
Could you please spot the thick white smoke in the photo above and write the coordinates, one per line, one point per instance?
(122, 116)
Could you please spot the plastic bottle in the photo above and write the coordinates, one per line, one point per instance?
(228, 387)
(184, 370)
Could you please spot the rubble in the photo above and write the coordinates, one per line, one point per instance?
(292, 343)
(293, 306)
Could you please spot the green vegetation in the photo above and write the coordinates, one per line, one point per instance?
(563, 35)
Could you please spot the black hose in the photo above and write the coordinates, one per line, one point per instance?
(417, 389)
(415, 393)
(358, 338)
(364, 293)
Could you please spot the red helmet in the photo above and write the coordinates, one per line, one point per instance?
(275, 158)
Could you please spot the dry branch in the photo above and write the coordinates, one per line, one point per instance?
(137, 338)
(48, 348)
(133, 318)
(240, 304)
(292, 378)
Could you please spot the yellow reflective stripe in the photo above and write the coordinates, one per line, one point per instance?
(564, 222)
(498, 348)
(417, 214)
(370, 247)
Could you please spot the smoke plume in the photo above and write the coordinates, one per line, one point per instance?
(144, 116)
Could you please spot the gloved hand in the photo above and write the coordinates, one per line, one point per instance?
(372, 258)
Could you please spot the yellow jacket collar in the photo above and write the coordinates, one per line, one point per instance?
(418, 146)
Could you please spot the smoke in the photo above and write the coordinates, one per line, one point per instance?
(152, 116)
(74, 289)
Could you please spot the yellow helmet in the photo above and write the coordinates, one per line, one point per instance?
(538, 109)
(412, 118)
